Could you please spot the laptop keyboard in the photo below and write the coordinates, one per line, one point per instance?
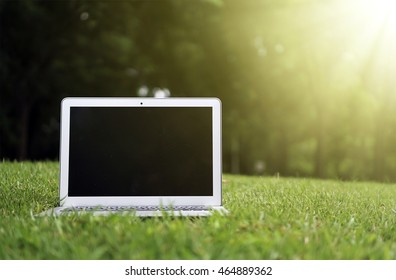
(137, 208)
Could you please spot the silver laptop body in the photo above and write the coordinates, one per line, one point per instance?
(140, 156)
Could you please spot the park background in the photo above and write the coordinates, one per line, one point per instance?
(307, 86)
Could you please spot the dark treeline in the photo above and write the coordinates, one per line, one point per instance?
(307, 86)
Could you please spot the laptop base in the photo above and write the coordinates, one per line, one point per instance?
(105, 211)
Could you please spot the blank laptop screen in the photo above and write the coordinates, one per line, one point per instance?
(140, 151)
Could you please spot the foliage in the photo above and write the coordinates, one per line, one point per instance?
(271, 218)
(307, 86)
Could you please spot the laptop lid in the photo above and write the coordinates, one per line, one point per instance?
(140, 151)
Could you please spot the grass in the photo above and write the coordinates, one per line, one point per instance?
(271, 218)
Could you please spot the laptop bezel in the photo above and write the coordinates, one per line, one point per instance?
(72, 201)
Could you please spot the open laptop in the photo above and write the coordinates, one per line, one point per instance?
(140, 156)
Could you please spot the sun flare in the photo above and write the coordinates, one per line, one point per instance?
(364, 33)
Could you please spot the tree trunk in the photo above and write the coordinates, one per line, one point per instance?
(24, 130)
(379, 146)
(318, 168)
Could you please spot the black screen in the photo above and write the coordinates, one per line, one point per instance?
(140, 151)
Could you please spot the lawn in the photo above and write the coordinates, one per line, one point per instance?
(271, 218)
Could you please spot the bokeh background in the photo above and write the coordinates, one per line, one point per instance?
(308, 86)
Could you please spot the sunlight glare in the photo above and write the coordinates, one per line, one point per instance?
(382, 55)
(380, 9)
(385, 4)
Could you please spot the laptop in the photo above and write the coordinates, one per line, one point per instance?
(140, 156)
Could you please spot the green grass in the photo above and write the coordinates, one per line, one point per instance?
(271, 218)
